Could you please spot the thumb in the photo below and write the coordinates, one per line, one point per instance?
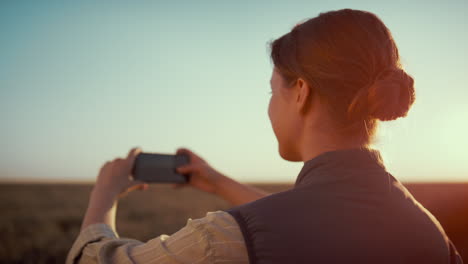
(137, 186)
(132, 187)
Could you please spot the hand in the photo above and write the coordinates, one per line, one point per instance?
(203, 176)
(115, 176)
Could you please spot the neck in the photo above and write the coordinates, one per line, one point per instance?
(315, 142)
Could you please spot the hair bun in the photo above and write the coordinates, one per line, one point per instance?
(391, 95)
(388, 97)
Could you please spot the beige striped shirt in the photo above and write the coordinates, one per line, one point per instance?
(215, 238)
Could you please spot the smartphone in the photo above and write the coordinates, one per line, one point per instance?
(159, 168)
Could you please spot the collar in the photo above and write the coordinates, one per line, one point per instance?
(335, 165)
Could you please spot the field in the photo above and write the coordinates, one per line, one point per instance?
(40, 221)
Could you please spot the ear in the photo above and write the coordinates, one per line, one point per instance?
(303, 95)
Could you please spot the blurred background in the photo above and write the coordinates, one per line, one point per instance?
(83, 82)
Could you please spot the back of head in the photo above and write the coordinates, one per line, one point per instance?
(351, 61)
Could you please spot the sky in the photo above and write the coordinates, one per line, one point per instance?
(82, 82)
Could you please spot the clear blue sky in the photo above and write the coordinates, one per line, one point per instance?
(81, 82)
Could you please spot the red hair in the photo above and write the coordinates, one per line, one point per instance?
(350, 60)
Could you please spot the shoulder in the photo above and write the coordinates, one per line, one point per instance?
(269, 204)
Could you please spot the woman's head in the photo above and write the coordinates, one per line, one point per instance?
(339, 72)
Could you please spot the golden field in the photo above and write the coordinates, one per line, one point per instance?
(40, 221)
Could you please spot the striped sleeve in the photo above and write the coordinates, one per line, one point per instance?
(211, 239)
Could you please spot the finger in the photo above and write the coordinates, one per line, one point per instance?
(127, 191)
(136, 186)
(140, 187)
(182, 151)
(144, 186)
(132, 154)
(106, 166)
(117, 160)
(186, 151)
(185, 169)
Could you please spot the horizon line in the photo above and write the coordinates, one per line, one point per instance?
(84, 181)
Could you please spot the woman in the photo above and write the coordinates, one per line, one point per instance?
(335, 76)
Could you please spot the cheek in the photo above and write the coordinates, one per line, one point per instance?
(271, 111)
(274, 114)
